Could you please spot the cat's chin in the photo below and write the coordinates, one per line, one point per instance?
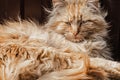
(76, 40)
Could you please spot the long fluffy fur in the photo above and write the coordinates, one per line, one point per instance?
(24, 55)
(64, 20)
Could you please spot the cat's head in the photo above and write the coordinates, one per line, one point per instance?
(77, 20)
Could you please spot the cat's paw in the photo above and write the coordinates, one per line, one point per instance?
(115, 70)
(111, 67)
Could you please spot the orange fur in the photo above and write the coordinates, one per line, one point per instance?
(26, 61)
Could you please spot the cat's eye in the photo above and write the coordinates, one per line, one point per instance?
(68, 23)
(83, 22)
(86, 21)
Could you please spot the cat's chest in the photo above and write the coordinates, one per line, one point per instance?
(84, 47)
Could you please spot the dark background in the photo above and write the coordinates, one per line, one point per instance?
(34, 9)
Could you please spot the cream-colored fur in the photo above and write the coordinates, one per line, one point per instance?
(27, 55)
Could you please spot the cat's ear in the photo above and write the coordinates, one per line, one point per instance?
(94, 2)
(57, 3)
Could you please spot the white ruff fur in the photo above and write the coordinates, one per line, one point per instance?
(52, 39)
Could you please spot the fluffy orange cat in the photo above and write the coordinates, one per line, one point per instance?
(70, 46)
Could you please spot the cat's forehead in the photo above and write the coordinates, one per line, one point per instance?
(75, 10)
(76, 1)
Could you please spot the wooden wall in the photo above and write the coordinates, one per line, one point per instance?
(33, 9)
(9, 8)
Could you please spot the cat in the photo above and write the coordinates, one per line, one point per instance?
(27, 53)
(58, 50)
(83, 23)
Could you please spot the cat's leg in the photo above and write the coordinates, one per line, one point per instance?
(52, 64)
(65, 66)
(31, 63)
(69, 66)
(111, 67)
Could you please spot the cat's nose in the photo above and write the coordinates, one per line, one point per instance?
(76, 32)
(75, 29)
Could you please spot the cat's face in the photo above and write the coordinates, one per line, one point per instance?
(77, 20)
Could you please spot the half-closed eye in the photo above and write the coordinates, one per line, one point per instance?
(68, 23)
(80, 23)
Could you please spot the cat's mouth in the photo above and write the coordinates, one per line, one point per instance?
(75, 40)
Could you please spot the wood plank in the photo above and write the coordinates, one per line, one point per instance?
(9, 8)
(34, 9)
